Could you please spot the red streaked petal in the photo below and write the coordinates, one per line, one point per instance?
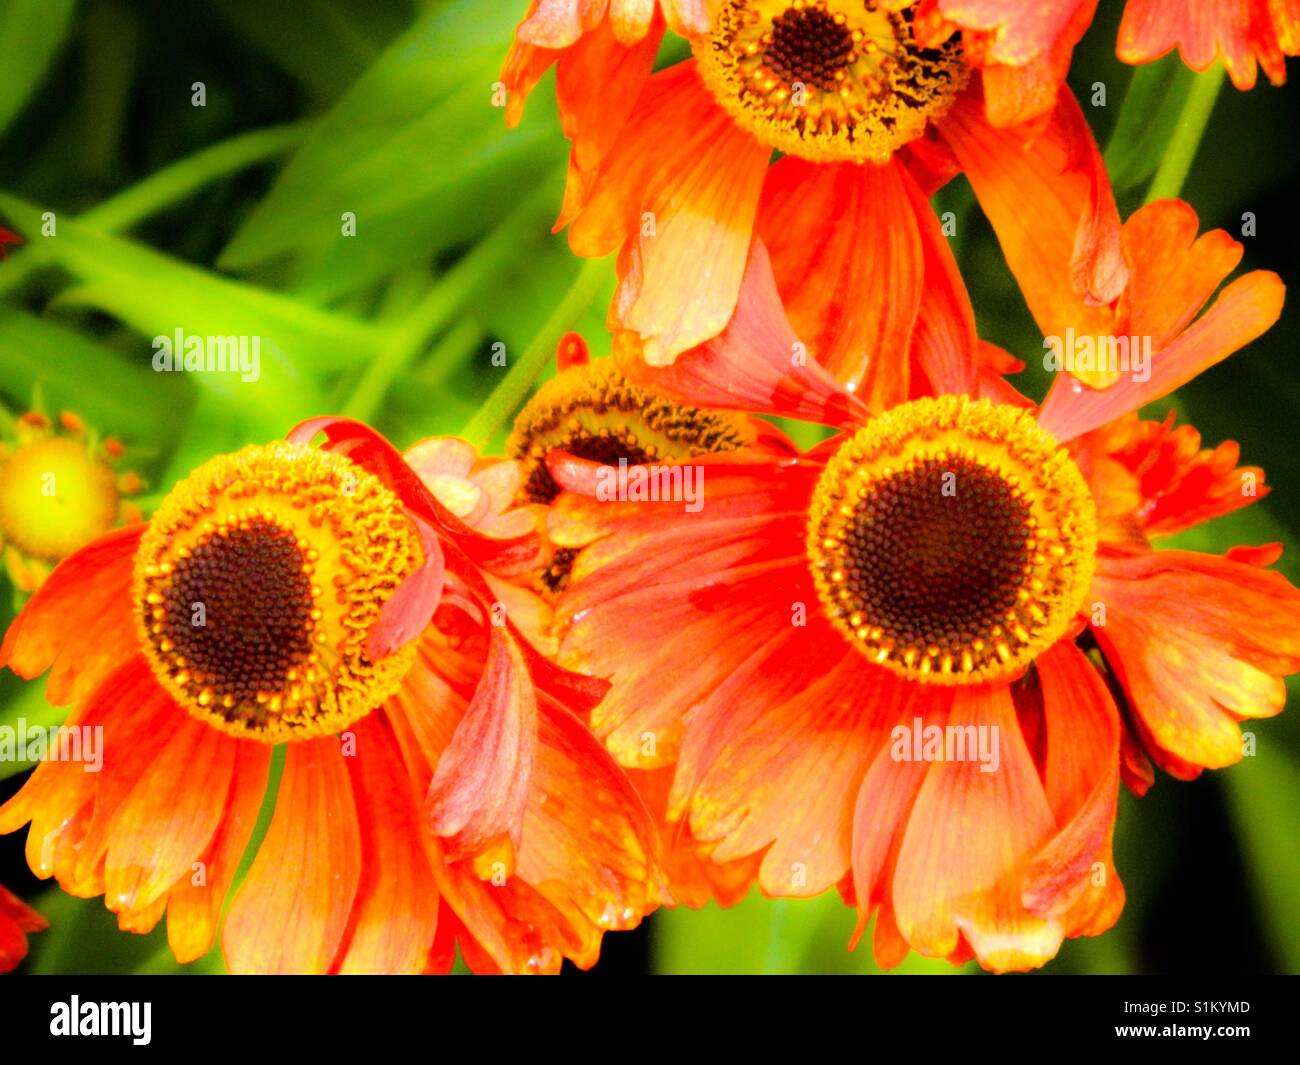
(480, 786)
(849, 265)
(943, 340)
(395, 918)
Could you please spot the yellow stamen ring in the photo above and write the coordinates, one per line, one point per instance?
(257, 583)
(952, 540)
(827, 80)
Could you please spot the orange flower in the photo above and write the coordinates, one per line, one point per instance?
(870, 664)
(591, 411)
(437, 788)
(674, 172)
(1024, 49)
(16, 921)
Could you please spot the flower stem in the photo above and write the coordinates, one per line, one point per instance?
(510, 393)
(1186, 138)
(441, 303)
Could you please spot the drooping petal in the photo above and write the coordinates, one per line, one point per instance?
(1051, 205)
(195, 904)
(970, 836)
(394, 920)
(681, 212)
(597, 85)
(880, 815)
(1244, 310)
(757, 364)
(481, 785)
(803, 715)
(1072, 877)
(849, 264)
(409, 609)
(170, 816)
(291, 912)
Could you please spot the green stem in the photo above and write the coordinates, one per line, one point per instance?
(1186, 138)
(510, 393)
(443, 301)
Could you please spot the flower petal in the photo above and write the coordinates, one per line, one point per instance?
(849, 265)
(970, 835)
(291, 912)
(195, 904)
(395, 918)
(1199, 643)
(481, 784)
(79, 621)
(1243, 311)
(682, 212)
(1052, 208)
(756, 364)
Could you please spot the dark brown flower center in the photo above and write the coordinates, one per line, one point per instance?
(808, 46)
(239, 610)
(936, 553)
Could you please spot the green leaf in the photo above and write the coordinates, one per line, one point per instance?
(1264, 794)
(156, 294)
(381, 153)
(342, 38)
(785, 936)
(31, 32)
(121, 397)
(1147, 120)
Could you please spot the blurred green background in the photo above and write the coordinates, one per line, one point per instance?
(227, 218)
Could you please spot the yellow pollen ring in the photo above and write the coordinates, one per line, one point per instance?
(827, 80)
(257, 583)
(951, 541)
